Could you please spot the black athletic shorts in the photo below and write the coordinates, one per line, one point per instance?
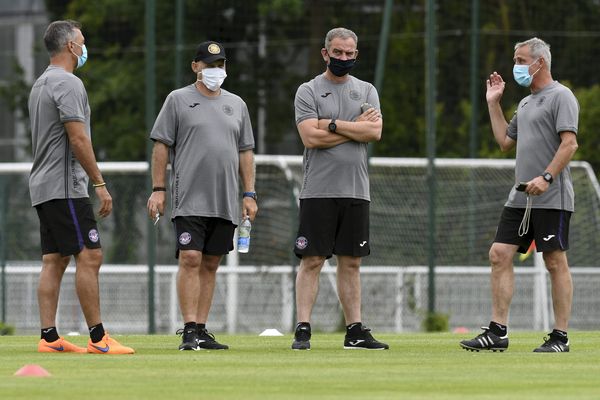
(333, 226)
(212, 236)
(67, 226)
(549, 229)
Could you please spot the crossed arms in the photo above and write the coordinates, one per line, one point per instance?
(366, 128)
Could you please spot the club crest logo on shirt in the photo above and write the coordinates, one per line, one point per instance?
(185, 238)
(540, 101)
(93, 235)
(227, 109)
(355, 94)
(301, 242)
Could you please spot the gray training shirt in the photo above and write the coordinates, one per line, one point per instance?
(536, 126)
(205, 136)
(57, 97)
(338, 171)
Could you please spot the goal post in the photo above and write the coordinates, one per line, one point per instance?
(470, 196)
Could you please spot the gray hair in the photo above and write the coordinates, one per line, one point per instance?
(58, 34)
(537, 48)
(341, 33)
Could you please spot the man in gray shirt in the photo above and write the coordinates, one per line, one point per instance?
(337, 116)
(63, 159)
(539, 207)
(205, 132)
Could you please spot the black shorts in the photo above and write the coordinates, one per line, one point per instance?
(212, 236)
(333, 226)
(549, 229)
(67, 226)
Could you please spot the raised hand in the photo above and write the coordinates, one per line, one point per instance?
(495, 88)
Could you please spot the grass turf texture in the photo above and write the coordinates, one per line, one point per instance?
(426, 366)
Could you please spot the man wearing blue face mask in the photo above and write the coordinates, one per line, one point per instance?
(544, 131)
(337, 115)
(206, 134)
(63, 164)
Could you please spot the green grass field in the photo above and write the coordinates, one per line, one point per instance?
(418, 366)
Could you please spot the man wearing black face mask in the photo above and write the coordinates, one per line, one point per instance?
(337, 116)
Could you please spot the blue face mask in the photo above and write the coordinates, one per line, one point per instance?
(521, 74)
(83, 57)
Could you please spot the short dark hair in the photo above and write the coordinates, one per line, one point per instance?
(58, 34)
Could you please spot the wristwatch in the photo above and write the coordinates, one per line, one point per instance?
(548, 177)
(332, 125)
(250, 194)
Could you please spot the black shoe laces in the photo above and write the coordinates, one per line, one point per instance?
(302, 335)
(203, 333)
(550, 340)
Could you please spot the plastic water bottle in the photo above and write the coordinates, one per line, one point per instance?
(244, 236)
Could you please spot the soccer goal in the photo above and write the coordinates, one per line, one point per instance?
(257, 288)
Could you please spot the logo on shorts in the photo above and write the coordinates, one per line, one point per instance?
(93, 235)
(185, 238)
(301, 243)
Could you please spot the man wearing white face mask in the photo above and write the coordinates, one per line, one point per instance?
(63, 163)
(544, 131)
(205, 132)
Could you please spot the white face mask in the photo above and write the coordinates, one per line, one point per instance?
(213, 78)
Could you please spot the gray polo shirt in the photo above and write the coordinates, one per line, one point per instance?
(536, 126)
(338, 171)
(205, 136)
(56, 97)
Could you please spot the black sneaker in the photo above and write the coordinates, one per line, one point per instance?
(486, 341)
(189, 339)
(364, 341)
(302, 338)
(206, 341)
(552, 345)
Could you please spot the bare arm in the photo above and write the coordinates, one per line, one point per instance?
(314, 137)
(84, 152)
(366, 128)
(160, 158)
(564, 154)
(247, 174)
(495, 89)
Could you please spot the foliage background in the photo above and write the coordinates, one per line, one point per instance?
(293, 32)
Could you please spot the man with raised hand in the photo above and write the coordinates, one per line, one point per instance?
(544, 131)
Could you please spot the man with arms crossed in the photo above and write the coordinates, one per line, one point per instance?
(63, 159)
(544, 131)
(205, 132)
(334, 202)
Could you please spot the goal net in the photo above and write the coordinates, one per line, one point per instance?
(256, 289)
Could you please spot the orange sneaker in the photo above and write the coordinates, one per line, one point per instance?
(59, 346)
(108, 345)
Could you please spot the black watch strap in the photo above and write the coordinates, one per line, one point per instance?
(332, 126)
(548, 177)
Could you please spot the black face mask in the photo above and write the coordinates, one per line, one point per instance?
(340, 67)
